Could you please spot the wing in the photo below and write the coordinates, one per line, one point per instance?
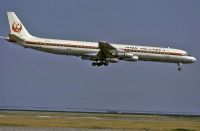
(106, 51)
(107, 46)
(109, 53)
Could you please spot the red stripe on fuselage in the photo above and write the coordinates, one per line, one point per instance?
(95, 47)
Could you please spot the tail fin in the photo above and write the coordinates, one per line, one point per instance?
(16, 26)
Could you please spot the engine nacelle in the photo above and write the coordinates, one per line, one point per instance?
(122, 54)
(133, 58)
(112, 60)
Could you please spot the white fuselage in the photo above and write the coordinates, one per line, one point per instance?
(90, 49)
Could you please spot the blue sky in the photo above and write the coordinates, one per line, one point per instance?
(30, 78)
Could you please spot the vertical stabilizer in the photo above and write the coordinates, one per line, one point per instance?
(16, 26)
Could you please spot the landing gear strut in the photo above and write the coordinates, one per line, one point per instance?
(179, 66)
(105, 63)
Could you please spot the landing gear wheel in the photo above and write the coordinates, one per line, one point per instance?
(98, 64)
(105, 63)
(179, 66)
(101, 63)
(94, 64)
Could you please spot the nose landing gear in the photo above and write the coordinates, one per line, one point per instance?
(179, 66)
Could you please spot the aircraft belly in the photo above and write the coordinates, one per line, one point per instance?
(161, 58)
(81, 52)
(61, 51)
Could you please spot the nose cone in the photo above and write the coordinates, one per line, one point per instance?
(193, 59)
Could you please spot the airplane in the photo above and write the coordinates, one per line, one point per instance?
(100, 53)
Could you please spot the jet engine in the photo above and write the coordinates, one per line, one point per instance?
(133, 58)
(112, 60)
(122, 54)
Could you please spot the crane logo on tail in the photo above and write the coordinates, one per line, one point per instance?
(16, 27)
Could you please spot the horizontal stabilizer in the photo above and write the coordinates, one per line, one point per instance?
(15, 38)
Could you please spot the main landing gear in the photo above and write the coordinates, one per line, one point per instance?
(179, 66)
(100, 63)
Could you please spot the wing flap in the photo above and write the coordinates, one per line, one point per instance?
(106, 46)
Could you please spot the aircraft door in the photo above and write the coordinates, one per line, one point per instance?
(39, 44)
(68, 45)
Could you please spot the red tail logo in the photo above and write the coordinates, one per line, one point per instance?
(16, 27)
